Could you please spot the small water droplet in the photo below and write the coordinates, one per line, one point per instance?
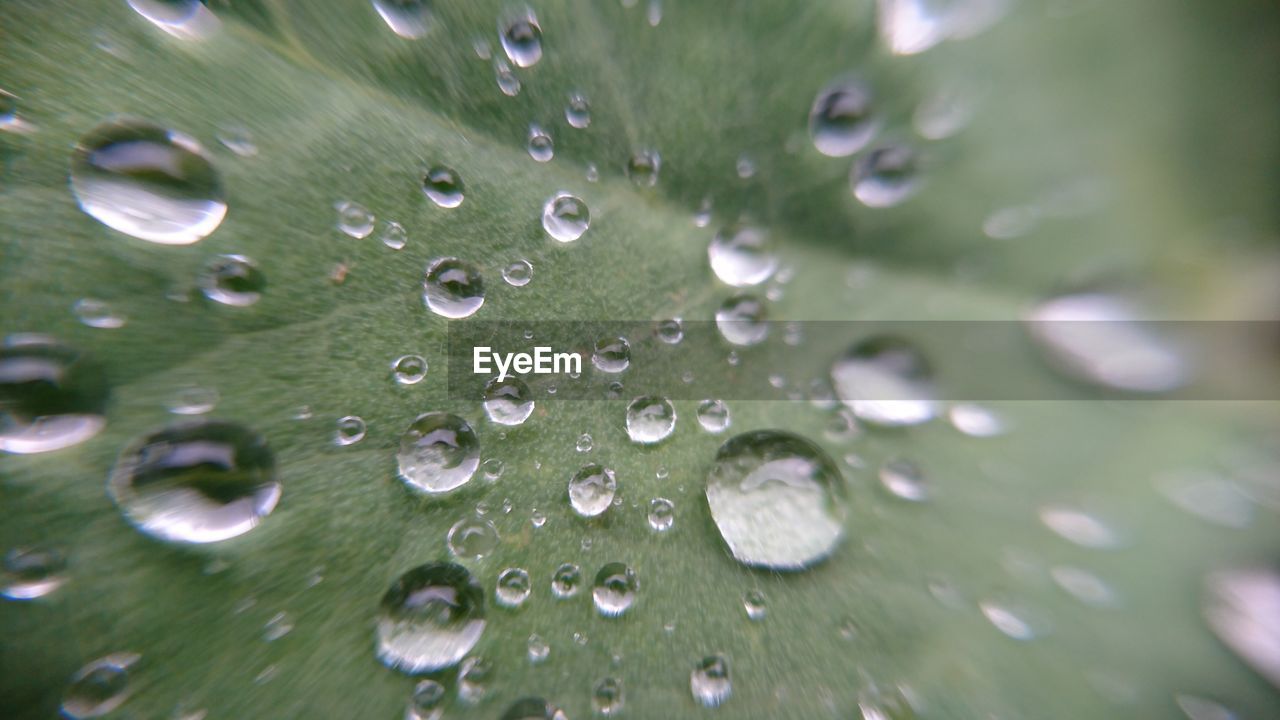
(147, 181)
(427, 701)
(886, 176)
(518, 273)
(742, 255)
(410, 19)
(430, 618)
(354, 219)
(745, 167)
(643, 168)
(755, 604)
(670, 331)
(97, 314)
(904, 480)
(612, 354)
(472, 538)
(976, 420)
(234, 280)
(566, 581)
(350, 430)
(537, 518)
(32, 572)
(508, 401)
(409, 369)
(650, 419)
(438, 453)
(1079, 527)
(513, 587)
(593, 172)
(277, 627)
(578, 112)
(541, 148)
(709, 682)
(508, 83)
(565, 217)
(713, 416)
(886, 381)
(192, 400)
(492, 469)
(741, 320)
(1008, 620)
(607, 697)
(99, 687)
(452, 288)
(662, 514)
(584, 443)
(591, 490)
(537, 649)
(521, 37)
(615, 589)
(393, 235)
(841, 121)
(196, 482)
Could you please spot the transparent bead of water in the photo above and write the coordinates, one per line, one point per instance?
(198, 481)
(755, 604)
(742, 255)
(409, 369)
(1242, 608)
(584, 443)
(508, 83)
(904, 480)
(443, 186)
(710, 682)
(841, 121)
(427, 701)
(578, 112)
(472, 538)
(1079, 527)
(492, 469)
(518, 273)
(513, 587)
(591, 490)
(662, 514)
(354, 219)
(607, 697)
(52, 396)
(147, 181)
(537, 649)
(430, 618)
(886, 381)
(612, 354)
(97, 313)
(393, 235)
(976, 420)
(410, 19)
(650, 419)
(643, 168)
(741, 320)
(508, 401)
(350, 430)
(886, 176)
(234, 280)
(452, 288)
(32, 572)
(439, 452)
(713, 416)
(541, 147)
(521, 37)
(614, 590)
(473, 679)
(565, 217)
(566, 581)
(99, 687)
(670, 331)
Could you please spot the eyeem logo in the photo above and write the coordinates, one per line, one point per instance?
(541, 362)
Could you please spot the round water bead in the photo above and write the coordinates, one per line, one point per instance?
(591, 490)
(741, 320)
(443, 186)
(472, 538)
(350, 430)
(430, 618)
(709, 682)
(578, 112)
(742, 255)
(566, 581)
(643, 168)
(51, 395)
(521, 37)
(409, 369)
(541, 147)
(508, 401)
(650, 419)
(614, 591)
(438, 453)
(662, 514)
(841, 121)
(886, 381)
(565, 217)
(232, 280)
(518, 273)
(607, 698)
(886, 176)
(452, 288)
(513, 587)
(612, 354)
(713, 415)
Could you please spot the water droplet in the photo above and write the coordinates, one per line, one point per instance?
(438, 453)
(394, 235)
(710, 682)
(508, 83)
(443, 186)
(643, 168)
(453, 288)
(427, 701)
(904, 480)
(566, 581)
(1079, 527)
(607, 697)
(944, 113)
(97, 314)
(32, 572)
(746, 167)
(430, 618)
(615, 589)
(521, 37)
(885, 176)
(976, 420)
(192, 400)
(1198, 708)
(146, 181)
(238, 140)
(541, 148)
(1083, 585)
(513, 587)
(482, 48)
(755, 604)
(508, 401)
(1008, 620)
(232, 280)
(354, 219)
(578, 111)
(196, 482)
(702, 216)
(777, 499)
(741, 320)
(1099, 339)
(472, 538)
(742, 255)
(841, 121)
(591, 490)
(713, 415)
(410, 19)
(277, 627)
(593, 172)
(409, 369)
(612, 354)
(1242, 607)
(537, 649)
(565, 217)
(492, 469)
(650, 419)
(99, 687)
(584, 443)
(662, 514)
(671, 331)
(1209, 497)
(518, 273)
(537, 518)
(885, 381)
(532, 708)
(350, 430)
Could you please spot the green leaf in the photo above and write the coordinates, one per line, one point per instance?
(340, 108)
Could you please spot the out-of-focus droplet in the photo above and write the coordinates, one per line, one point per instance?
(886, 381)
(578, 112)
(410, 19)
(393, 235)
(537, 649)
(521, 37)
(472, 538)
(741, 320)
(566, 581)
(439, 452)
(183, 19)
(976, 420)
(841, 121)
(607, 697)
(452, 288)
(430, 618)
(99, 687)
(29, 573)
(508, 401)
(541, 147)
(238, 140)
(904, 480)
(508, 83)
(710, 682)
(885, 176)
(234, 280)
(742, 255)
(97, 314)
(532, 708)
(643, 168)
(1079, 527)
(427, 701)
(1242, 607)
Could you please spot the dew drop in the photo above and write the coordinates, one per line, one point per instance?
(904, 480)
(394, 235)
(584, 443)
(438, 453)
(1079, 527)
(196, 482)
(885, 176)
(513, 587)
(541, 148)
(51, 395)
(452, 288)
(662, 514)
(508, 83)
(521, 37)
(97, 314)
(410, 19)
(350, 430)
(1008, 620)
(650, 419)
(578, 112)
(518, 273)
(472, 538)
(777, 499)
(473, 679)
(443, 186)
(427, 701)
(607, 697)
(615, 589)
(670, 331)
(532, 708)
(643, 168)
(741, 320)
(566, 581)
(612, 354)
(99, 687)
(742, 255)
(409, 369)
(32, 572)
(430, 618)
(709, 682)
(713, 416)
(537, 649)
(565, 217)
(1083, 585)
(591, 490)
(354, 219)
(148, 182)
(841, 121)
(508, 401)
(755, 604)
(238, 140)
(1242, 607)
(886, 381)
(975, 420)
(233, 280)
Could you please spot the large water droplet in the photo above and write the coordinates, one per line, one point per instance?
(531, 708)
(32, 572)
(472, 538)
(886, 381)
(146, 181)
(643, 168)
(521, 37)
(885, 176)
(591, 490)
(99, 687)
(196, 482)
(453, 288)
(51, 396)
(410, 19)
(350, 430)
(741, 320)
(430, 618)
(438, 453)
(607, 697)
(394, 235)
(650, 419)
(578, 112)
(565, 217)
(777, 499)
(742, 255)
(615, 589)
(713, 415)
(1242, 607)
(232, 280)
(841, 121)
(709, 682)
(508, 401)
(612, 354)
(566, 581)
